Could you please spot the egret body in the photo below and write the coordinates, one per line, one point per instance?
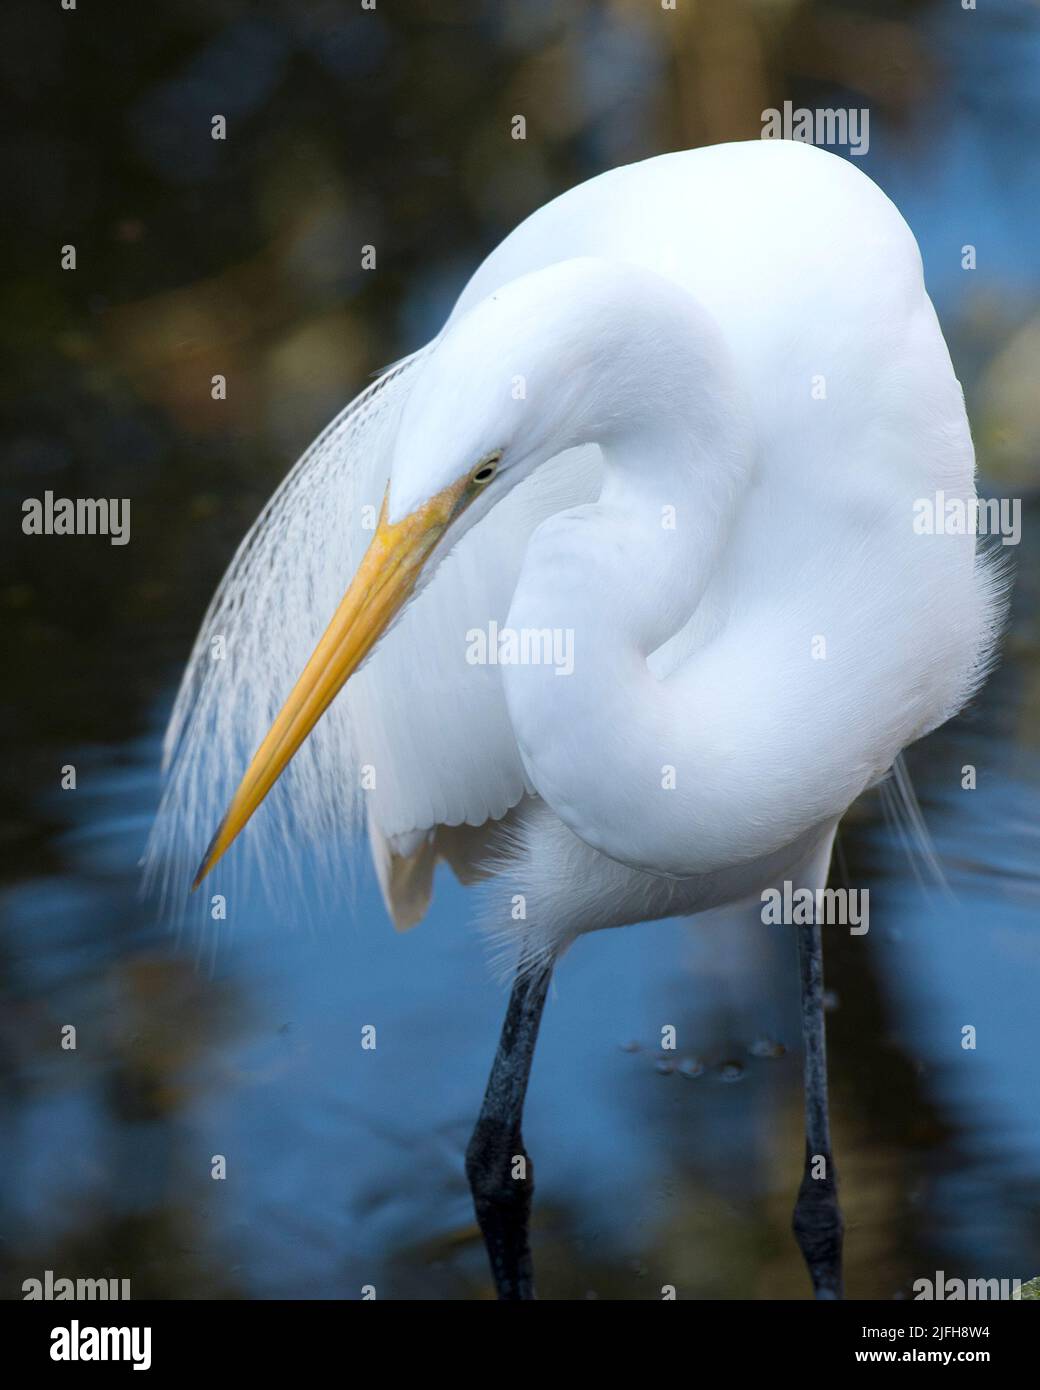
(679, 417)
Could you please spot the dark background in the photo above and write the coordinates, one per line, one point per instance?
(243, 257)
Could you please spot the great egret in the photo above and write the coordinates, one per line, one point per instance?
(679, 419)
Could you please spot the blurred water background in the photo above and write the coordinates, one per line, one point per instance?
(345, 1167)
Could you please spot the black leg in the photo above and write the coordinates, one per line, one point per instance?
(818, 1224)
(498, 1168)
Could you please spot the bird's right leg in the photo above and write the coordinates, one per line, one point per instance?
(497, 1165)
(818, 1224)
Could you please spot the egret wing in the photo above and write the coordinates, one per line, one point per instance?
(420, 737)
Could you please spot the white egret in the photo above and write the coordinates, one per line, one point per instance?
(679, 419)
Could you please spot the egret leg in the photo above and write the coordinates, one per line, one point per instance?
(818, 1223)
(497, 1165)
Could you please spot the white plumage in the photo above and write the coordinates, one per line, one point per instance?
(740, 334)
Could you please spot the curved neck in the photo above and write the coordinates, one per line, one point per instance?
(663, 516)
(613, 581)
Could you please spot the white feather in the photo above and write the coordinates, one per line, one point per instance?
(779, 264)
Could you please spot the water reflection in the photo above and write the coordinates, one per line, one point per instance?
(345, 1166)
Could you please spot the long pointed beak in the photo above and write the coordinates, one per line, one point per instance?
(385, 578)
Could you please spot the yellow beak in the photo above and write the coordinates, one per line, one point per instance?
(386, 577)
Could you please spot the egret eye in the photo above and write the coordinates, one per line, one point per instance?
(485, 471)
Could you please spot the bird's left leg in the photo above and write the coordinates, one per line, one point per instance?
(497, 1165)
(818, 1223)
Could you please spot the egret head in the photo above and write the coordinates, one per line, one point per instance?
(506, 386)
(528, 372)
